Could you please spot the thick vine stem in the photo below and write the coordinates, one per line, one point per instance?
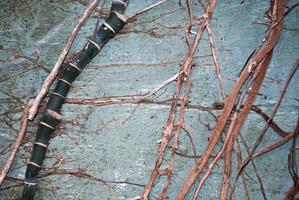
(51, 116)
(51, 77)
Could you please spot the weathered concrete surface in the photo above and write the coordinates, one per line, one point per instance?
(119, 142)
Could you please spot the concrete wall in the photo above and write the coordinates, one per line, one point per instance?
(119, 142)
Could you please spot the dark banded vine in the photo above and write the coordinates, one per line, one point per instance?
(51, 116)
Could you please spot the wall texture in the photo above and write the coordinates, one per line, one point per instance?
(118, 142)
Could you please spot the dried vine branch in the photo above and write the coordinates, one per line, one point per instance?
(235, 126)
(265, 128)
(183, 78)
(258, 62)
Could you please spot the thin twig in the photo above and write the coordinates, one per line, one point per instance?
(145, 9)
(192, 143)
(218, 71)
(262, 188)
(34, 61)
(272, 123)
(239, 160)
(17, 143)
(82, 174)
(277, 144)
(160, 86)
(189, 25)
(209, 169)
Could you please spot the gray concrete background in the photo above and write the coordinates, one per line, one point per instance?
(119, 142)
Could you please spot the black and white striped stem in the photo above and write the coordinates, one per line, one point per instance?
(51, 116)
